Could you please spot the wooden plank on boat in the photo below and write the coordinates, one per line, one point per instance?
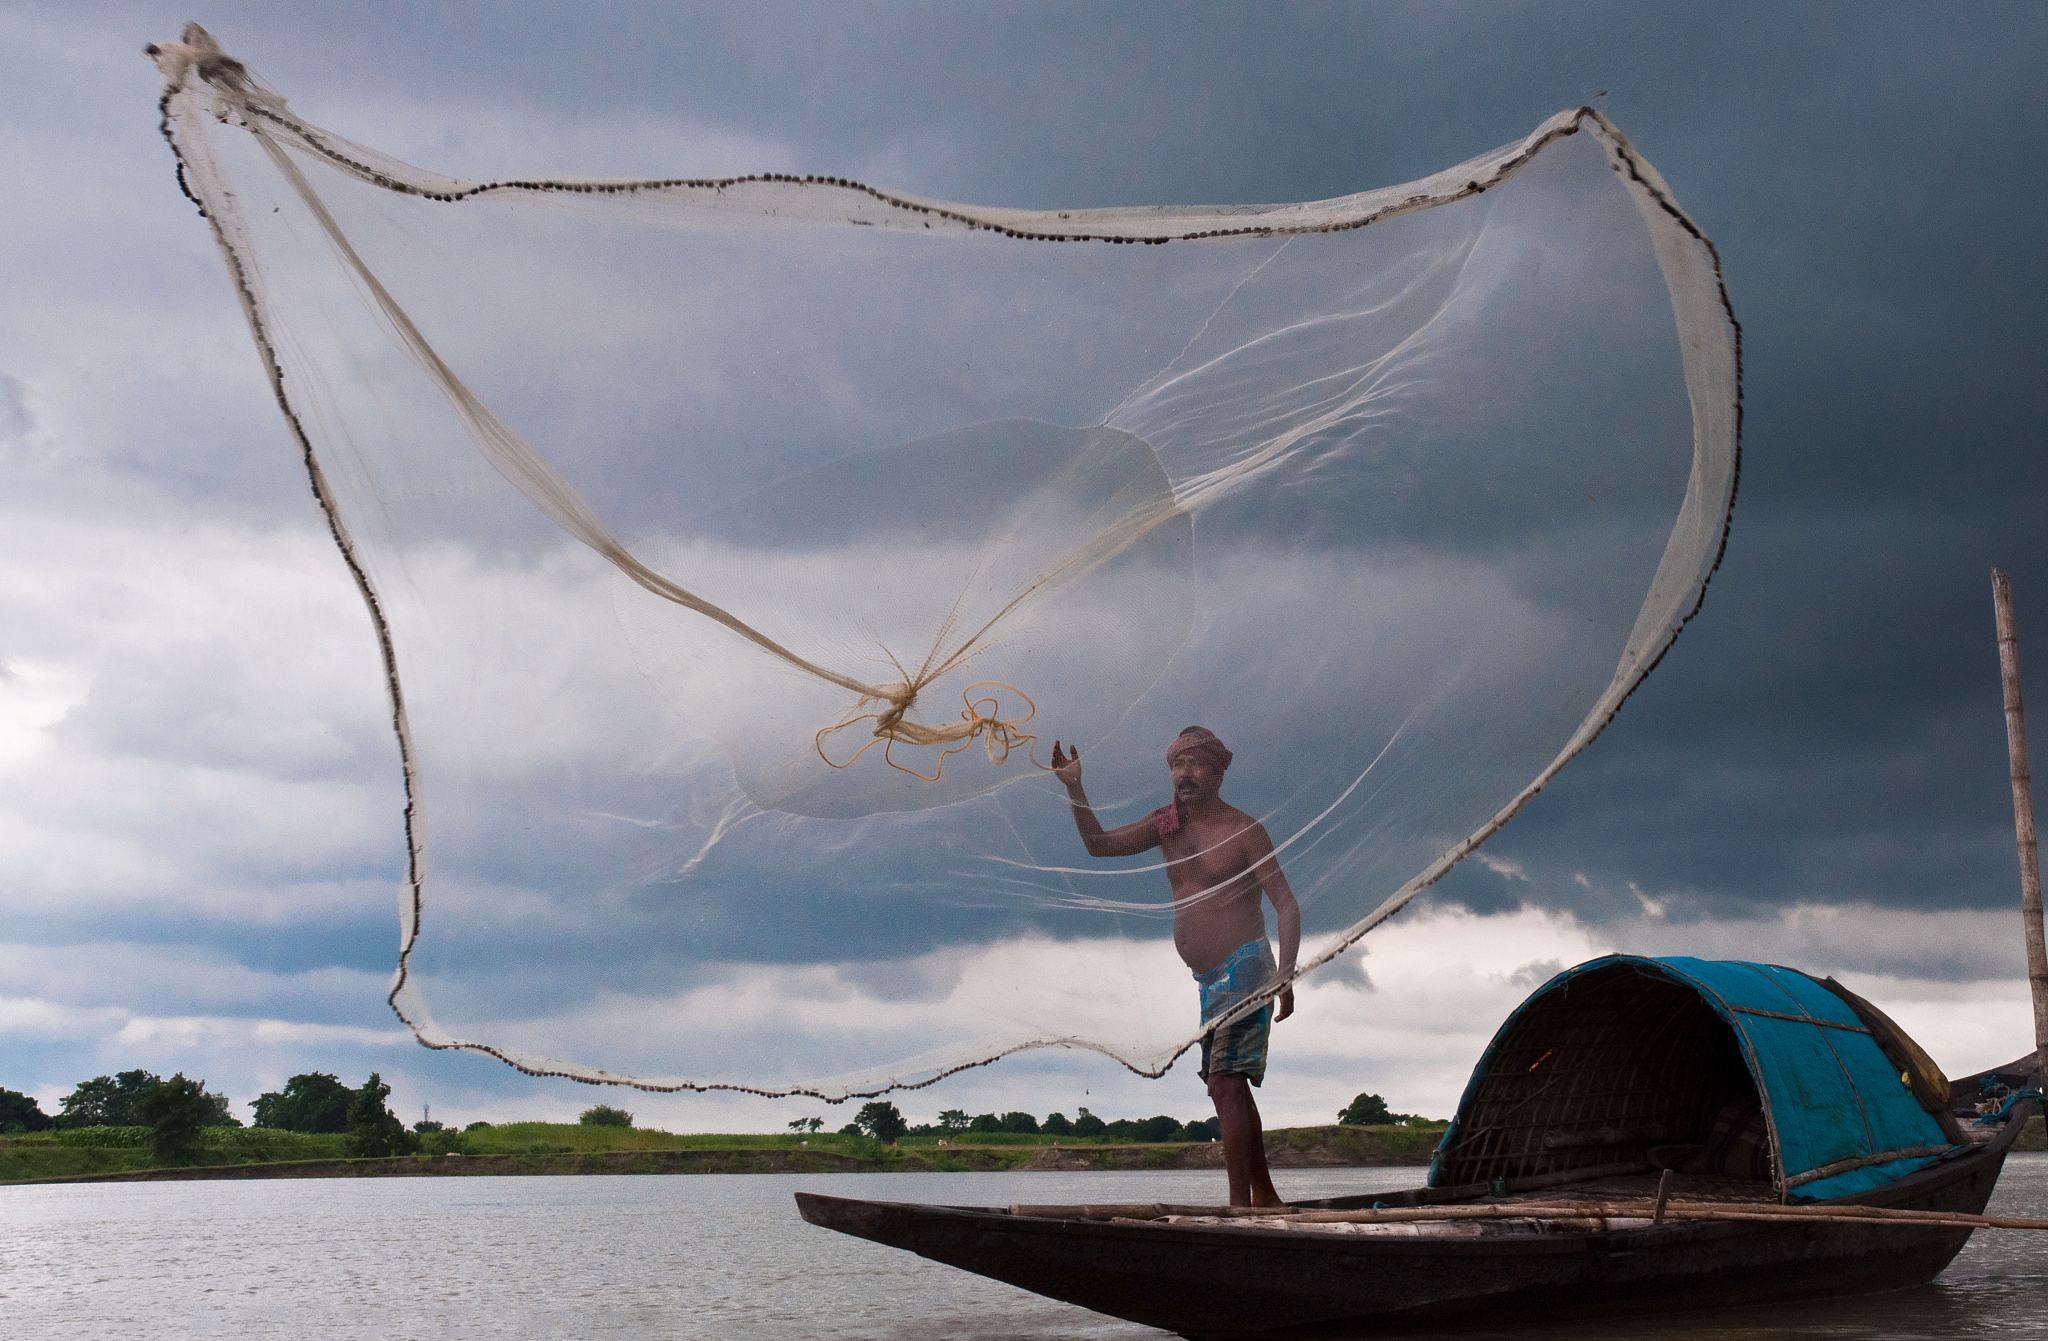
(1866, 1162)
(1643, 1212)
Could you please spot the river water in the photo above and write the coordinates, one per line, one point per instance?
(722, 1257)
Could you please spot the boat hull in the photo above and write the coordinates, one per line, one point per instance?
(1219, 1282)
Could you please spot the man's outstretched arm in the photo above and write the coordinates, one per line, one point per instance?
(1126, 841)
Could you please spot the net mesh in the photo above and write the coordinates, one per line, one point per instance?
(738, 547)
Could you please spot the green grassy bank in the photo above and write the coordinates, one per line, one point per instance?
(542, 1148)
(548, 1148)
(545, 1148)
(82, 1151)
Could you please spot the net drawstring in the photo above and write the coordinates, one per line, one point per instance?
(980, 719)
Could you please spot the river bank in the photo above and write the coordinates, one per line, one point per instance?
(25, 1162)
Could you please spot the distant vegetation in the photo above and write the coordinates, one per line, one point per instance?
(885, 1123)
(19, 1113)
(553, 1148)
(1369, 1110)
(174, 1113)
(67, 1152)
(112, 1101)
(136, 1120)
(315, 1102)
(373, 1131)
(182, 1120)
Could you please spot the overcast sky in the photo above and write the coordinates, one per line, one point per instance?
(199, 844)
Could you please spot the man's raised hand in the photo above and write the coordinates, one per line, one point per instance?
(1067, 768)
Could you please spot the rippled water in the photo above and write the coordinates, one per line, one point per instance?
(721, 1257)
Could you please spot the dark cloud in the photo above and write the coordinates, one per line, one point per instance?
(15, 419)
(1828, 728)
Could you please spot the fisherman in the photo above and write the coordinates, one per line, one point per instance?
(1218, 862)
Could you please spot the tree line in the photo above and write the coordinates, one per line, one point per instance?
(110, 1101)
(178, 1111)
(884, 1122)
(1369, 1110)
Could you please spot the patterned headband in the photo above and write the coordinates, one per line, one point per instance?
(1199, 740)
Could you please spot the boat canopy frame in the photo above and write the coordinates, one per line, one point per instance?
(1626, 1064)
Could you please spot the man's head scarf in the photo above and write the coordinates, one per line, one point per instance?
(1198, 741)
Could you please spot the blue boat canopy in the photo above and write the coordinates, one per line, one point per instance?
(1748, 1072)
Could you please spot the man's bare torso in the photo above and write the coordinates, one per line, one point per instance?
(1219, 861)
(1216, 893)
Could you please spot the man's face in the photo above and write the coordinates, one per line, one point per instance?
(1195, 778)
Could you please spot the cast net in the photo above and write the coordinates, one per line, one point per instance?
(738, 548)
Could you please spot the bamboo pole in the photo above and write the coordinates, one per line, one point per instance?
(1633, 1213)
(1758, 1211)
(2023, 816)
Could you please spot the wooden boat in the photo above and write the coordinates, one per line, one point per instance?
(1747, 1082)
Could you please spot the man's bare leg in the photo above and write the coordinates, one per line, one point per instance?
(1244, 1142)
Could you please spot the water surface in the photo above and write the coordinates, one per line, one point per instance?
(725, 1257)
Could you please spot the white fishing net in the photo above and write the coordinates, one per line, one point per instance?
(738, 548)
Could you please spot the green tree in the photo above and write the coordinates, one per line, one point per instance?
(986, 1122)
(1023, 1124)
(954, 1119)
(604, 1115)
(106, 1101)
(1154, 1130)
(851, 1129)
(1208, 1129)
(177, 1112)
(1056, 1124)
(1367, 1110)
(18, 1112)
(881, 1120)
(1087, 1124)
(372, 1128)
(313, 1102)
(807, 1124)
(217, 1114)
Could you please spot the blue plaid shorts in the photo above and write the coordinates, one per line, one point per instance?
(1238, 1049)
